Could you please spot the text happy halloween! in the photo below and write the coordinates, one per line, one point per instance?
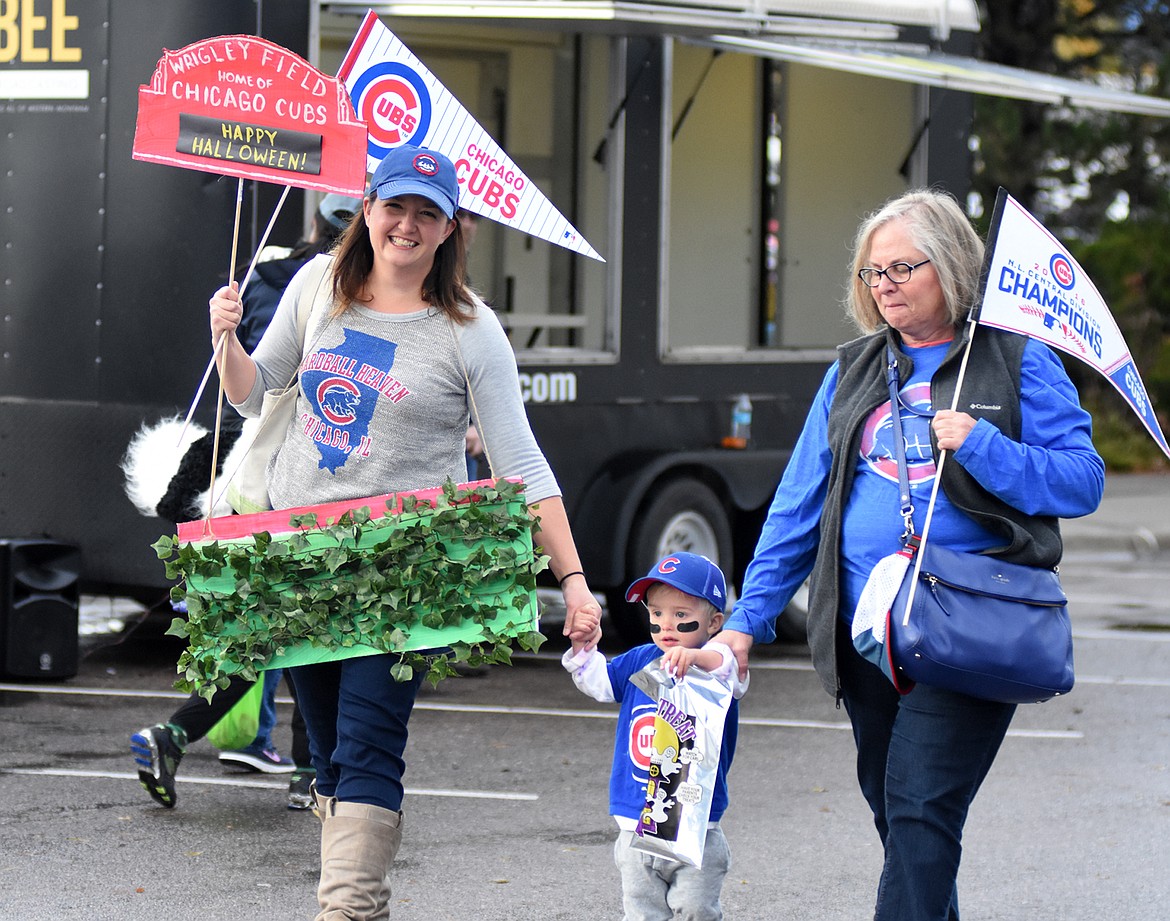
(277, 148)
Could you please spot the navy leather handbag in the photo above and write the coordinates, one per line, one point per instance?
(977, 625)
(980, 626)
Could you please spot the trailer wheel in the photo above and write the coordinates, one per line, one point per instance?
(683, 515)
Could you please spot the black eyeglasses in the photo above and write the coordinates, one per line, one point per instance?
(899, 273)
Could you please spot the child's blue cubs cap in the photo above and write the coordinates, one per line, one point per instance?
(409, 170)
(688, 572)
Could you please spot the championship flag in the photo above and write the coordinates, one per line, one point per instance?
(1035, 287)
(401, 102)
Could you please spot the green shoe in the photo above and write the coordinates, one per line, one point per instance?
(299, 792)
(157, 752)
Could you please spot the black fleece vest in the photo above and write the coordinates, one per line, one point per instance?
(991, 391)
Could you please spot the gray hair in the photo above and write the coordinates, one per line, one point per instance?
(938, 227)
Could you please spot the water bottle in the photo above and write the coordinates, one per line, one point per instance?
(741, 423)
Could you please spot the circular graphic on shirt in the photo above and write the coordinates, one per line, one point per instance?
(338, 398)
(877, 437)
(642, 737)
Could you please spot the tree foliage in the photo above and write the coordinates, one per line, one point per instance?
(1100, 181)
(1075, 168)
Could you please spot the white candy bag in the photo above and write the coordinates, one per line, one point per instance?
(688, 736)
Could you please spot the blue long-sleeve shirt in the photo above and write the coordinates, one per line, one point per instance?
(1052, 470)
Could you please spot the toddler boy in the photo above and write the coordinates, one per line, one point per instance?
(685, 595)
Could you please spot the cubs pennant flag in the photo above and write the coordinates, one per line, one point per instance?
(401, 102)
(1035, 287)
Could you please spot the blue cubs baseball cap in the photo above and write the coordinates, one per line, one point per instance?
(688, 572)
(410, 170)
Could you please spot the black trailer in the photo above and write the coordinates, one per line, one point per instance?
(720, 176)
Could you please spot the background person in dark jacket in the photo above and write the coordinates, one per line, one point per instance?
(158, 749)
(277, 265)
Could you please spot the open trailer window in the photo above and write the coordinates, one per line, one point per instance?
(712, 274)
(771, 167)
(546, 102)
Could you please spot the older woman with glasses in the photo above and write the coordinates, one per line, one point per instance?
(1022, 458)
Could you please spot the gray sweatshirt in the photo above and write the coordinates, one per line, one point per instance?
(383, 405)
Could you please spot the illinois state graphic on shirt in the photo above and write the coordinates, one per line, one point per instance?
(343, 384)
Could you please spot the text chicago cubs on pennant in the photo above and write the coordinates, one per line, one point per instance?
(401, 102)
(239, 105)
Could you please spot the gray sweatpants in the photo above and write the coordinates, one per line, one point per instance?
(657, 889)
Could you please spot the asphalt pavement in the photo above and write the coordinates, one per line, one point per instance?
(508, 815)
(1134, 517)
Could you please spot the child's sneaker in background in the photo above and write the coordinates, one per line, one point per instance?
(299, 795)
(157, 751)
(257, 758)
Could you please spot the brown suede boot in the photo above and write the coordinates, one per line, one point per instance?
(358, 844)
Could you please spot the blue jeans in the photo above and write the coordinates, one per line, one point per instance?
(356, 714)
(920, 761)
(267, 720)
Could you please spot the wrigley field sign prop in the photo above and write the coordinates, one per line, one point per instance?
(243, 106)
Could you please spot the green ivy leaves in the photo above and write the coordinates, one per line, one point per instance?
(453, 583)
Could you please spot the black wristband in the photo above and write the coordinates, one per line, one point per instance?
(563, 579)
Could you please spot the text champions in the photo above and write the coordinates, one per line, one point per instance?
(1013, 280)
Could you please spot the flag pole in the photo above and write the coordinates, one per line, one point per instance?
(243, 285)
(222, 339)
(942, 459)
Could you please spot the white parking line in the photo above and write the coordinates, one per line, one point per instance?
(1122, 681)
(611, 714)
(786, 665)
(92, 692)
(1145, 636)
(261, 784)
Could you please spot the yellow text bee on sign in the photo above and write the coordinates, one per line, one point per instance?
(34, 38)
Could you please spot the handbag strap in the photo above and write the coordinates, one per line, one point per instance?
(905, 503)
(307, 307)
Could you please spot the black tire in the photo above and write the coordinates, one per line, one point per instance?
(681, 515)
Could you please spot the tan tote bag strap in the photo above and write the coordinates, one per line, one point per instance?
(307, 306)
(470, 392)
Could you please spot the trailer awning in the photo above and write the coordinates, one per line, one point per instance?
(851, 19)
(857, 36)
(915, 64)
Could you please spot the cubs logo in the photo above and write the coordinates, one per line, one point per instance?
(395, 104)
(642, 739)
(1062, 271)
(877, 438)
(426, 164)
(338, 398)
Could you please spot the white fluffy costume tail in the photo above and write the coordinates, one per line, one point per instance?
(166, 478)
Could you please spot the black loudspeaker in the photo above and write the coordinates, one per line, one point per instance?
(38, 608)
